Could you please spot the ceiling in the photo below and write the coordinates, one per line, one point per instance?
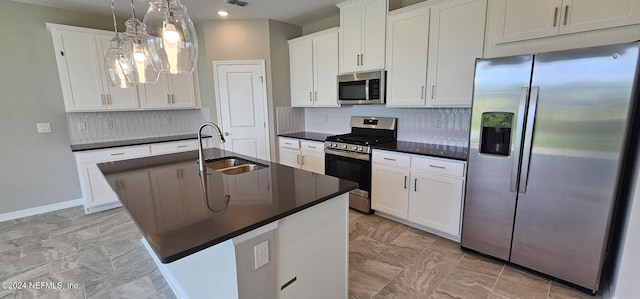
(298, 12)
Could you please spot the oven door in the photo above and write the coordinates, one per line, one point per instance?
(353, 167)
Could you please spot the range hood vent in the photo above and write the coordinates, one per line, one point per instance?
(237, 2)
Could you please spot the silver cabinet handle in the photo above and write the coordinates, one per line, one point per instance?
(311, 96)
(389, 159)
(117, 154)
(555, 17)
(288, 143)
(566, 14)
(316, 96)
(405, 182)
(422, 93)
(436, 166)
(415, 185)
(361, 59)
(302, 160)
(102, 99)
(182, 146)
(108, 96)
(173, 99)
(297, 159)
(309, 146)
(358, 60)
(433, 91)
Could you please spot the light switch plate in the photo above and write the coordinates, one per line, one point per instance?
(44, 127)
(82, 126)
(261, 254)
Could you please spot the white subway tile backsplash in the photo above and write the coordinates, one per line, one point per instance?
(133, 124)
(290, 120)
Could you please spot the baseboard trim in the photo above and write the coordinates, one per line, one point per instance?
(41, 209)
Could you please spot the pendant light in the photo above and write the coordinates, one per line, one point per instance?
(133, 43)
(172, 42)
(119, 66)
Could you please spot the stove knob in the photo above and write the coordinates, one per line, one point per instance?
(344, 146)
(355, 148)
(360, 148)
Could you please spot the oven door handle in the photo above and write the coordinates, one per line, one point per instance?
(358, 156)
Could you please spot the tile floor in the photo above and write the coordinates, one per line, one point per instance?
(102, 255)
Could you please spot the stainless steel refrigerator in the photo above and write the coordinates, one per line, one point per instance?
(547, 144)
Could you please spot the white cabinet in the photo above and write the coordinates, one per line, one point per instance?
(80, 58)
(523, 20)
(313, 61)
(431, 53)
(96, 191)
(407, 45)
(362, 35)
(427, 192)
(172, 91)
(303, 154)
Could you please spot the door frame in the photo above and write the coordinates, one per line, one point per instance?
(216, 85)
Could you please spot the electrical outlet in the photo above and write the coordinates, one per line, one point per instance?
(44, 127)
(167, 120)
(261, 254)
(82, 126)
(438, 122)
(108, 124)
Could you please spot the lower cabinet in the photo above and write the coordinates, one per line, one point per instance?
(96, 191)
(427, 192)
(303, 154)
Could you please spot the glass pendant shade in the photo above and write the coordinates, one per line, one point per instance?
(172, 42)
(133, 43)
(119, 66)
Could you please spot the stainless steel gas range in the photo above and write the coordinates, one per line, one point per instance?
(348, 156)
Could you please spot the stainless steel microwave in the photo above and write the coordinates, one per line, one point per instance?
(361, 88)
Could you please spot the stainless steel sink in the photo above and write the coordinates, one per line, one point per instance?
(233, 165)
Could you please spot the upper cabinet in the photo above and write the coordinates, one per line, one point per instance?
(314, 68)
(524, 20)
(85, 86)
(171, 91)
(431, 53)
(80, 59)
(362, 35)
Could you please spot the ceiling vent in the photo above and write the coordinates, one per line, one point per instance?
(237, 2)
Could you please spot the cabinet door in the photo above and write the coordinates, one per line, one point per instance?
(586, 15)
(436, 202)
(301, 63)
(80, 72)
(350, 37)
(313, 161)
(183, 91)
(290, 157)
(456, 39)
(117, 98)
(374, 29)
(156, 95)
(407, 58)
(390, 190)
(523, 19)
(325, 66)
(101, 191)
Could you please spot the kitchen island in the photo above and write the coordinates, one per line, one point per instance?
(274, 232)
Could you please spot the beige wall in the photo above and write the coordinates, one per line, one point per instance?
(36, 169)
(333, 21)
(252, 39)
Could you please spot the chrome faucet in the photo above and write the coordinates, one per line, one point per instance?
(201, 160)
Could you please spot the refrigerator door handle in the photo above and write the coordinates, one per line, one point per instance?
(517, 145)
(528, 139)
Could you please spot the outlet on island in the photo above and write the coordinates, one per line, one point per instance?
(261, 254)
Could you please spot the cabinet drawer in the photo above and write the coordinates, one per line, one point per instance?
(114, 154)
(312, 146)
(393, 159)
(175, 147)
(439, 166)
(289, 143)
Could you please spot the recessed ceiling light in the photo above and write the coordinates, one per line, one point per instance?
(223, 13)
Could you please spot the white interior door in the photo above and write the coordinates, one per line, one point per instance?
(242, 102)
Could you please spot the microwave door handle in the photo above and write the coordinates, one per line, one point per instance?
(366, 89)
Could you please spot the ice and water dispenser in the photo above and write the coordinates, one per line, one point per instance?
(495, 138)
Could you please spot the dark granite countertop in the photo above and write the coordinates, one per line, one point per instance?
(426, 149)
(313, 136)
(129, 142)
(180, 214)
